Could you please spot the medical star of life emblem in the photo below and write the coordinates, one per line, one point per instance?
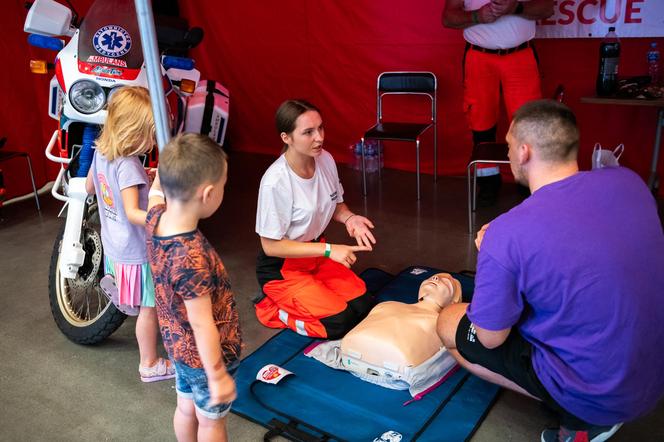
(112, 41)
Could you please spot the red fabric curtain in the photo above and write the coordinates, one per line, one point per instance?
(331, 53)
(24, 116)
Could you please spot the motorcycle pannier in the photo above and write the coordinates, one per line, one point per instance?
(207, 111)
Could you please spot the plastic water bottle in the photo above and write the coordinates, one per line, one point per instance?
(609, 56)
(370, 155)
(372, 148)
(653, 63)
(356, 150)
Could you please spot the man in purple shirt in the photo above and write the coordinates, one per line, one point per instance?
(568, 305)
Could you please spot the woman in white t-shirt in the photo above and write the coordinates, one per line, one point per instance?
(306, 283)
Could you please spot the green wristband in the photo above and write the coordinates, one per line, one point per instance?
(328, 249)
(475, 17)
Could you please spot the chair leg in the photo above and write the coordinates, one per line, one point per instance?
(417, 165)
(470, 200)
(435, 153)
(364, 172)
(474, 187)
(32, 178)
(380, 172)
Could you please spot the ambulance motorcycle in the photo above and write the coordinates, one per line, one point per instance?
(103, 53)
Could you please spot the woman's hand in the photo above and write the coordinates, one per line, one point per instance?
(345, 255)
(358, 228)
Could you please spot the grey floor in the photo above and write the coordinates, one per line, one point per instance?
(54, 390)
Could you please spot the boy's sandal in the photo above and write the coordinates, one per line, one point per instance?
(160, 371)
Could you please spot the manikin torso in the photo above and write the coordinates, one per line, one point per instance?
(397, 345)
(395, 333)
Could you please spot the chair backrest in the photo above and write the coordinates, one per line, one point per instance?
(406, 83)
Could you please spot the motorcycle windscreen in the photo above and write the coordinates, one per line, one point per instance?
(109, 36)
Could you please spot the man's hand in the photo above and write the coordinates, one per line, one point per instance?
(222, 389)
(486, 14)
(480, 235)
(358, 228)
(503, 7)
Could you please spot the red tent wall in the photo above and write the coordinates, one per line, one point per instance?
(24, 117)
(331, 52)
(24, 98)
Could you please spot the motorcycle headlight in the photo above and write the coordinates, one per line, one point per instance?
(86, 96)
(111, 92)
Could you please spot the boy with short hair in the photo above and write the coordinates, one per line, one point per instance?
(197, 314)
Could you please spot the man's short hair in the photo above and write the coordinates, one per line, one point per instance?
(188, 161)
(549, 127)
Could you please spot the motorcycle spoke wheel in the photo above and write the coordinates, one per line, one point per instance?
(81, 300)
(79, 307)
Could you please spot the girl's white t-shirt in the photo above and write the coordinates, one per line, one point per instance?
(296, 208)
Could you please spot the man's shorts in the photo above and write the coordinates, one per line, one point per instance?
(192, 383)
(512, 360)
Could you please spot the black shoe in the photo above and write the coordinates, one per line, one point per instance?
(489, 187)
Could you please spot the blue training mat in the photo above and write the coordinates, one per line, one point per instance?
(319, 403)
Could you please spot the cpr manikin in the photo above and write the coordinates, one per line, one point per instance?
(396, 345)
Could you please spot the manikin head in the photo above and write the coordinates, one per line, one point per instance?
(441, 289)
(543, 135)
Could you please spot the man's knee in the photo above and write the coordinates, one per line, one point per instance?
(448, 323)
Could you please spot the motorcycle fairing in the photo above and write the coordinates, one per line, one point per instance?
(109, 36)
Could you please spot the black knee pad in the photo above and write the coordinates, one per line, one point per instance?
(339, 324)
(362, 305)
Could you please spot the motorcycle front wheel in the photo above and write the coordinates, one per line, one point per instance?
(80, 309)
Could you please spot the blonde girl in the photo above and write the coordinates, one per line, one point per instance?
(120, 182)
